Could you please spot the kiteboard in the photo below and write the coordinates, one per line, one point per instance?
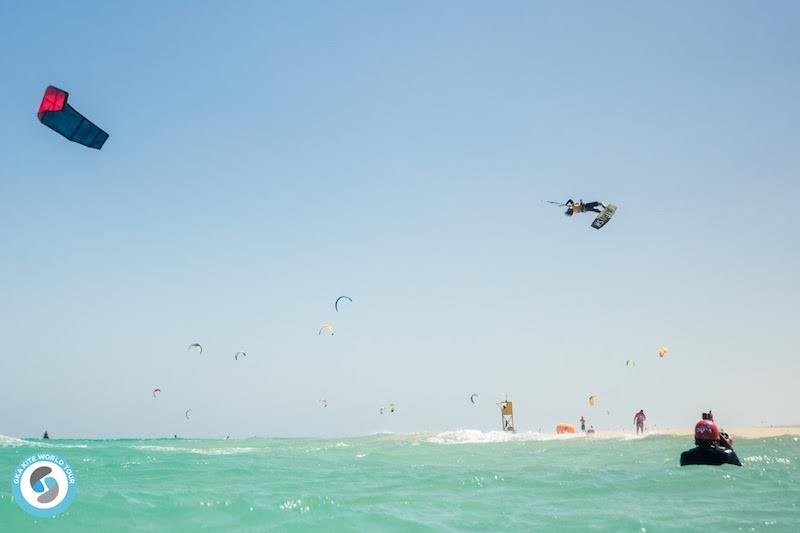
(604, 216)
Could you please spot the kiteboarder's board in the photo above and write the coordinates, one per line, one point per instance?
(604, 217)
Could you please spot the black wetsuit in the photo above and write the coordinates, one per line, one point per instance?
(596, 207)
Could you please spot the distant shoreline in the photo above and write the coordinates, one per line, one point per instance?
(742, 432)
(745, 432)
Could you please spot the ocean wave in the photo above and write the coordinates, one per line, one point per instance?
(12, 442)
(152, 448)
(198, 451)
(766, 459)
(222, 451)
(476, 436)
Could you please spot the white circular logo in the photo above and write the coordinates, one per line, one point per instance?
(44, 484)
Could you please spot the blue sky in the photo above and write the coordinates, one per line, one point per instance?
(265, 158)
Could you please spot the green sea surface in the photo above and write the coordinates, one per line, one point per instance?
(455, 481)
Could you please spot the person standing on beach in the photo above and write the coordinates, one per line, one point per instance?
(639, 419)
(583, 423)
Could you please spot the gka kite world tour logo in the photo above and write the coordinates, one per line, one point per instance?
(44, 484)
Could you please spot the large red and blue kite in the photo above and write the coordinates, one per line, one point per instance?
(58, 115)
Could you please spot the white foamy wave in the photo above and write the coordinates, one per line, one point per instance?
(327, 447)
(766, 459)
(12, 442)
(198, 451)
(149, 448)
(476, 436)
(222, 451)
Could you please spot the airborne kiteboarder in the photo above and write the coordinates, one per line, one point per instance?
(605, 211)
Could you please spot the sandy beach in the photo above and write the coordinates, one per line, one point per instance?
(743, 432)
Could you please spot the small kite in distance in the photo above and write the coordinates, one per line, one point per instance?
(156, 392)
(663, 351)
(237, 354)
(186, 414)
(195, 345)
(339, 299)
(327, 328)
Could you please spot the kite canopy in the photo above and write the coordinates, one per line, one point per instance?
(663, 351)
(473, 397)
(592, 400)
(237, 354)
(630, 362)
(339, 299)
(196, 345)
(327, 328)
(186, 414)
(156, 392)
(55, 113)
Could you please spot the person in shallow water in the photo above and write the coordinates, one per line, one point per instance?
(45, 436)
(639, 419)
(708, 435)
(583, 423)
(580, 207)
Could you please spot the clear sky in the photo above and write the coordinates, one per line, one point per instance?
(267, 157)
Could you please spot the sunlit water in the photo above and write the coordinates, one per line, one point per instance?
(455, 481)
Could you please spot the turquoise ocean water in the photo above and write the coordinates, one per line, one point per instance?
(453, 481)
